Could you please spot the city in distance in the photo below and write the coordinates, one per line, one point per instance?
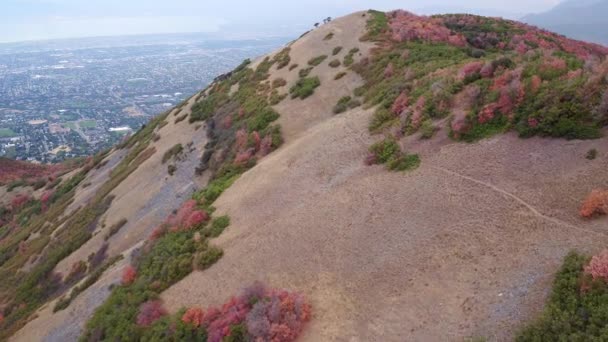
(68, 98)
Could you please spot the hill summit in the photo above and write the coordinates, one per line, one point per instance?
(368, 181)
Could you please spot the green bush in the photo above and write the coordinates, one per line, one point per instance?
(345, 103)
(279, 82)
(335, 63)
(377, 24)
(329, 36)
(591, 154)
(218, 225)
(115, 228)
(208, 257)
(572, 314)
(404, 162)
(336, 50)
(385, 150)
(172, 152)
(305, 72)
(388, 152)
(293, 66)
(427, 129)
(262, 119)
(382, 118)
(317, 60)
(171, 169)
(282, 58)
(340, 75)
(304, 87)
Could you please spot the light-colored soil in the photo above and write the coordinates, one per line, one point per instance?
(298, 115)
(464, 246)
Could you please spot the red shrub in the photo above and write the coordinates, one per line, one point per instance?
(256, 140)
(46, 196)
(598, 266)
(406, 26)
(128, 275)
(595, 204)
(269, 315)
(266, 146)
(535, 83)
(227, 122)
(19, 201)
(197, 217)
(149, 312)
(401, 102)
(243, 157)
(194, 316)
(158, 232)
(487, 71)
(470, 69)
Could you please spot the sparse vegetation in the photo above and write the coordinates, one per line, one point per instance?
(317, 60)
(329, 36)
(282, 59)
(349, 58)
(335, 63)
(172, 152)
(340, 75)
(305, 72)
(181, 118)
(115, 228)
(304, 87)
(293, 66)
(345, 103)
(336, 50)
(591, 154)
(388, 152)
(279, 82)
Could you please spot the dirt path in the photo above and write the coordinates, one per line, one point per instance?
(522, 202)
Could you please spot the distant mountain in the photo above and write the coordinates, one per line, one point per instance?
(579, 19)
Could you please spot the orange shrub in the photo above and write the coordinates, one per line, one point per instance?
(194, 316)
(595, 204)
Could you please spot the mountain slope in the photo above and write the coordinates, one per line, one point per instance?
(214, 195)
(576, 19)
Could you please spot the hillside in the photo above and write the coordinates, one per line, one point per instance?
(576, 19)
(386, 176)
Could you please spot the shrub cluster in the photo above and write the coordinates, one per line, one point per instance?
(304, 87)
(388, 152)
(577, 306)
(317, 60)
(345, 103)
(258, 314)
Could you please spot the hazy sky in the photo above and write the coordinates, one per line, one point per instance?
(44, 19)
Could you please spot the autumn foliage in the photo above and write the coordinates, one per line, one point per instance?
(267, 314)
(595, 204)
(11, 170)
(598, 266)
(128, 275)
(149, 312)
